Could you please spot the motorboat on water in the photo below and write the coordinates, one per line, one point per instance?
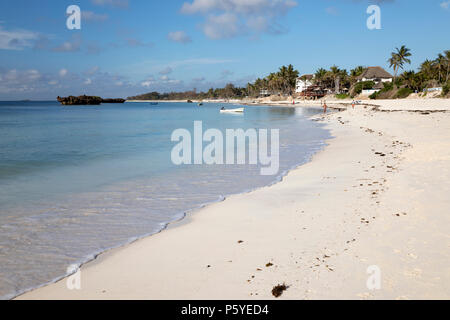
(238, 110)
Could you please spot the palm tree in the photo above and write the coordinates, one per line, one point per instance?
(427, 69)
(273, 81)
(251, 89)
(447, 58)
(398, 60)
(336, 73)
(418, 82)
(408, 77)
(292, 76)
(286, 78)
(357, 71)
(440, 65)
(320, 75)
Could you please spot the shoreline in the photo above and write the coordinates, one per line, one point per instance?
(233, 267)
(184, 219)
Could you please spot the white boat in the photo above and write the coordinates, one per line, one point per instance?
(239, 110)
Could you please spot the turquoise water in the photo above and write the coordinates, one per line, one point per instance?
(76, 181)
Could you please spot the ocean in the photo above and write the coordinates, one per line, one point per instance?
(76, 181)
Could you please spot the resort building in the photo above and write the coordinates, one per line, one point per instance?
(375, 74)
(312, 92)
(377, 87)
(303, 82)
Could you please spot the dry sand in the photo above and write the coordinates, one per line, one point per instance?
(377, 195)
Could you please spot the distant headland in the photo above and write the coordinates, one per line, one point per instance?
(86, 100)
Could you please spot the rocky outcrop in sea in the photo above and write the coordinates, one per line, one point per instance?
(86, 100)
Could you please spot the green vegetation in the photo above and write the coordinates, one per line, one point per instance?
(229, 92)
(364, 85)
(388, 87)
(342, 96)
(403, 93)
(446, 89)
(432, 73)
(333, 79)
(281, 82)
(398, 59)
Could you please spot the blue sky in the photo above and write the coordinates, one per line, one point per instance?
(127, 47)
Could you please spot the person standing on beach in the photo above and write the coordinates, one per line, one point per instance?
(325, 107)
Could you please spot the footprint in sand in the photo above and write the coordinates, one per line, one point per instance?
(415, 273)
(412, 255)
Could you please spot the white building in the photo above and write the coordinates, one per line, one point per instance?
(375, 74)
(304, 82)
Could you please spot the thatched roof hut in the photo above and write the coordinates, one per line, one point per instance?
(373, 73)
(308, 77)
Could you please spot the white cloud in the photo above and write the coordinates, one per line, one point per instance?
(63, 72)
(162, 84)
(92, 16)
(69, 46)
(16, 39)
(226, 73)
(179, 36)
(33, 75)
(221, 26)
(138, 43)
(238, 6)
(114, 3)
(148, 82)
(229, 18)
(31, 83)
(20, 81)
(92, 70)
(166, 71)
(445, 5)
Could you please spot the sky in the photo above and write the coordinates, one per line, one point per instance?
(129, 47)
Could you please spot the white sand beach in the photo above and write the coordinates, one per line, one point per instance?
(378, 195)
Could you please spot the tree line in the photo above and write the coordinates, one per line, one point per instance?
(282, 82)
(431, 73)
